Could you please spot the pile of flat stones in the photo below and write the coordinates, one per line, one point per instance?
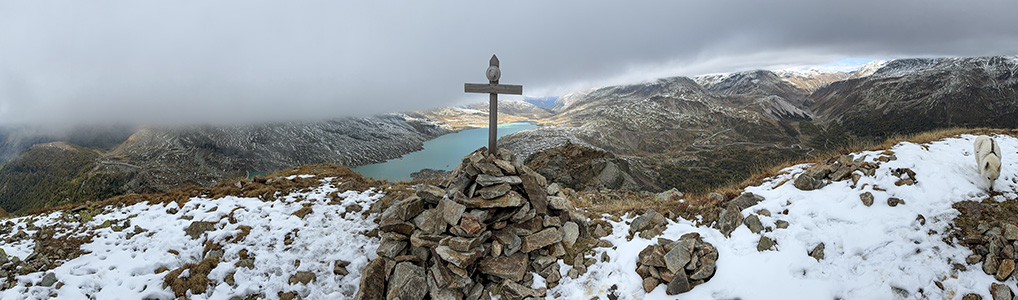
(494, 224)
(681, 264)
(995, 251)
(842, 168)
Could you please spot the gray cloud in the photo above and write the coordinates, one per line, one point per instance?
(229, 61)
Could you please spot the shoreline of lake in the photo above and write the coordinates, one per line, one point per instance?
(441, 153)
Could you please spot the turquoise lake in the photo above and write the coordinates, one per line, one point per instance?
(442, 153)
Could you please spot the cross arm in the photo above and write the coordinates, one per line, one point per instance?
(510, 89)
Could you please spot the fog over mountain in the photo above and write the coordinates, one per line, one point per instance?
(171, 62)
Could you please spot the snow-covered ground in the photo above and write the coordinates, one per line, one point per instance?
(875, 252)
(872, 252)
(122, 267)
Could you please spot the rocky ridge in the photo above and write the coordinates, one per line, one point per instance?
(492, 225)
(915, 95)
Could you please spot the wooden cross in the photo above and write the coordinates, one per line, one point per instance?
(493, 89)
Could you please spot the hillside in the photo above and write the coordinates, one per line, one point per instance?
(476, 115)
(674, 132)
(915, 95)
(52, 174)
(896, 223)
(162, 159)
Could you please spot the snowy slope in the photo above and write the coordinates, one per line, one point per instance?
(122, 265)
(872, 252)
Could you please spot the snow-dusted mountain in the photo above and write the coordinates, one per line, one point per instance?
(476, 115)
(658, 124)
(897, 227)
(914, 95)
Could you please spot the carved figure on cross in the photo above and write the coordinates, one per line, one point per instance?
(493, 89)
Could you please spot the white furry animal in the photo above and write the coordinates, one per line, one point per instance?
(987, 159)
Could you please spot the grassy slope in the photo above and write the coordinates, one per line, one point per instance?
(53, 174)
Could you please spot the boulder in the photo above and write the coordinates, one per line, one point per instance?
(508, 267)
(1004, 270)
(457, 258)
(510, 199)
(488, 180)
(753, 223)
(541, 239)
(408, 282)
(451, 211)
(48, 280)
(765, 243)
(371, 276)
(680, 254)
(729, 219)
(1010, 232)
(515, 291)
(430, 221)
(679, 284)
(812, 178)
(559, 203)
(867, 198)
(650, 283)
(746, 200)
(494, 191)
(570, 232)
(1000, 292)
(643, 221)
(536, 194)
(431, 194)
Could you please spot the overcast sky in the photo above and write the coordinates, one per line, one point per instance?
(224, 61)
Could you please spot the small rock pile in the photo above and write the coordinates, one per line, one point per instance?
(994, 250)
(681, 264)
(483, 234)
(648, 225)
(839, 169)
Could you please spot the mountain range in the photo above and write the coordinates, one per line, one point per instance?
(692, 134)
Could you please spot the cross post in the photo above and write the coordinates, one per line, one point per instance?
(493, 89)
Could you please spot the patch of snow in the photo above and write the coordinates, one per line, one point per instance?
(869, 250)
(118, 267)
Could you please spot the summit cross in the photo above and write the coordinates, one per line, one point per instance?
(493, 89)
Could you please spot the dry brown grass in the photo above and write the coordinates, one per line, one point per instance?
(263, 187)
(197, 281)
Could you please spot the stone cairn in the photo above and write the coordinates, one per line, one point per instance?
(483, 234)
(681, 264)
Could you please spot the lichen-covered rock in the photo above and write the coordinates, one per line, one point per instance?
(1000, 292)
(371, 276)
(541, 239)
(867, 198)
(753, 223)
(407, 282)
(509, 267)
(729, 219)
(746, 200)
